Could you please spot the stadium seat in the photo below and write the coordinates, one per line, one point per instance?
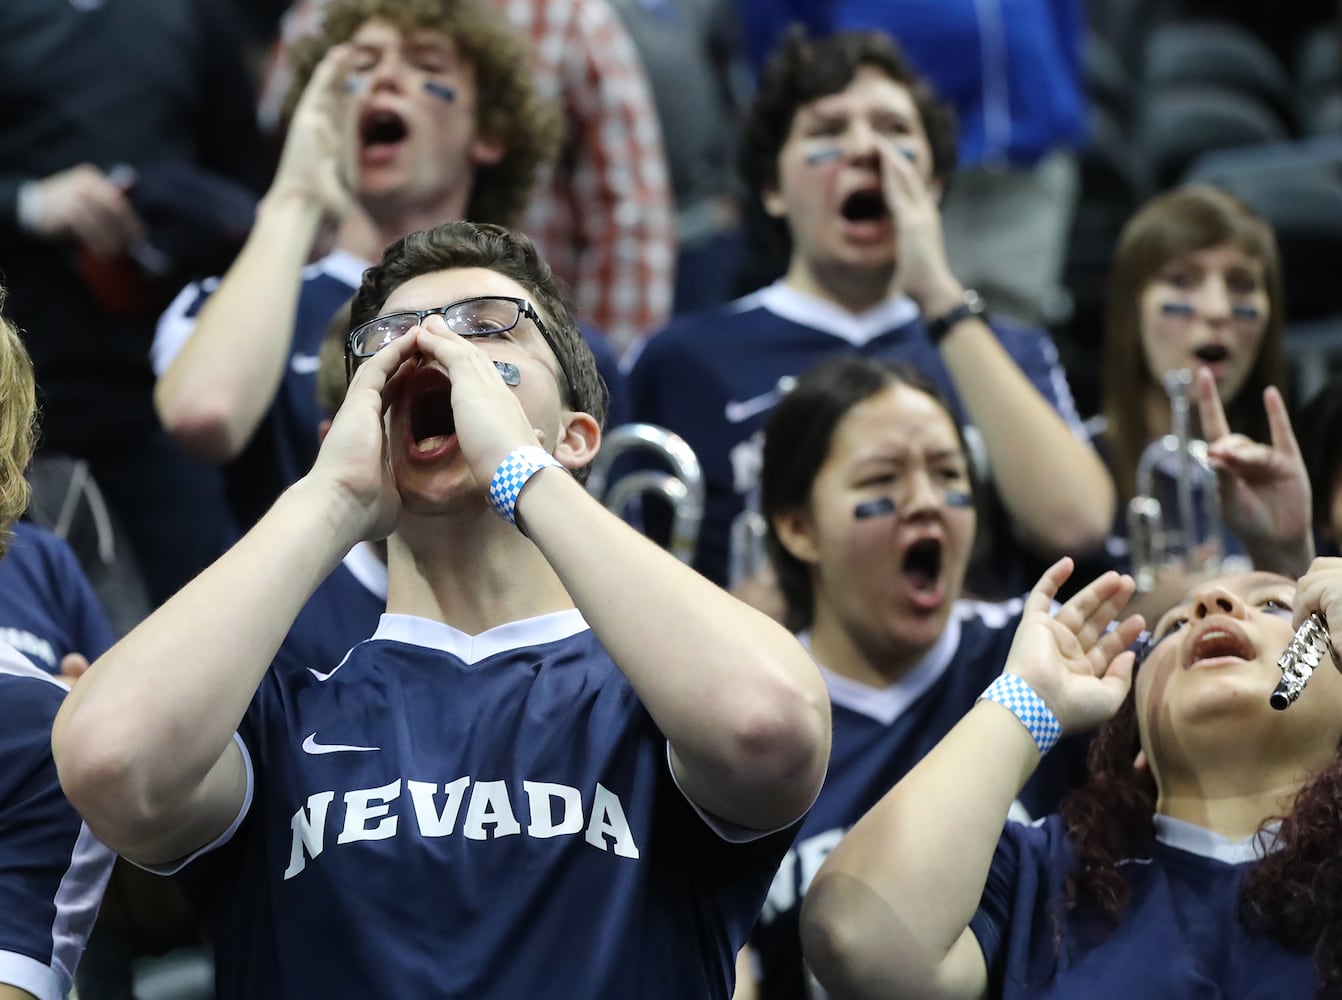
(1219, 55)
(1177, 125)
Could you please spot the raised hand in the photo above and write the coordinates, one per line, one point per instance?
(81, 203)
(353, 458)
(319, 160)
(920, 250)
(490, 420)
(1264, 488)
(1080, 670)
(1320, 590)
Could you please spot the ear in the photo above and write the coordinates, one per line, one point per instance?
(1139, 762)
(579, 440)
(796, 532)
(774, 206)
(485, 151)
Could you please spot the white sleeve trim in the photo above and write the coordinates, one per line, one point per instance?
(173, 867)
(31, 975)
(732, 833)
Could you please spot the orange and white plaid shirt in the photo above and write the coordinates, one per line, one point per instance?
(603, 215)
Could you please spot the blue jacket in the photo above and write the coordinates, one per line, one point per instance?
(1011, 68)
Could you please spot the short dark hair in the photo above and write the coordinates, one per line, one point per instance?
(508, 108)
(458, 245)
(797, 440)
(805, 69)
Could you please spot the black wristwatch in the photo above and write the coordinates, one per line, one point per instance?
(970, 305)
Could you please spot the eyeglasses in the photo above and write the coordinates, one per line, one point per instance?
(480, 316)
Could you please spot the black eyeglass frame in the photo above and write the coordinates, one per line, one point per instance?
(524, 309)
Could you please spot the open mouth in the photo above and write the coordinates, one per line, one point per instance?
(867, 205)
(432, 422)
(382, 128)
(1219, 642)
(1212, 353)
(922, 566)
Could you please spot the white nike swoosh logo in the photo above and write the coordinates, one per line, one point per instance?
(736, 412)
(310, 745)
(304, 364)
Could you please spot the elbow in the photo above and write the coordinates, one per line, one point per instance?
(202, 423)
(783, 741)
(1080, 526)
(105, 788)
(831, 938)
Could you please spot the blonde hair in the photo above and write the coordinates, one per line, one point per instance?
(18, 425)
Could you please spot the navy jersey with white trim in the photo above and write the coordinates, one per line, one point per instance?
(713, 379)
(342, 612)
(878, 737)
(52, 870)
(456, 816)
(1178, 937)
(47, 605)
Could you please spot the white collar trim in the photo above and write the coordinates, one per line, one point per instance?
(1194, 839)
(341, 265)
(887, 704)
(365, 566)
(858, 329)
(474, 648)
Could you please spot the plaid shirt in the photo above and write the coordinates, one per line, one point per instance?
(603, 215)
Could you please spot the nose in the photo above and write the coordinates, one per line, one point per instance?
(1214, 299)
(1214, 599)
(860, 141)
(386, 72)
(921, 496)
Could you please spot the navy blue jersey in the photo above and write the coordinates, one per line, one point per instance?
(713, 379)
(342, 612)
(52, 870)
(47, 605)
(1178, 937)
(445, 815)
(878, 736)
(284, 446)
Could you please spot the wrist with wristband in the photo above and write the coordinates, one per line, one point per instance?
(971, 306)
(512, 474)
(1015, 694)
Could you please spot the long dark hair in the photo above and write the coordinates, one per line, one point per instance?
(1293, 895)
(797, 440)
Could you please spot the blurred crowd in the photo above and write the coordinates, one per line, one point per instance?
(895, 305)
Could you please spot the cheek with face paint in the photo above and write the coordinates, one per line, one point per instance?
(510, 372)
(440, 90)
(819, 157)
(1181, 310)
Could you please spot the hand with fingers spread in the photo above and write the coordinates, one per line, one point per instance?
(81, 203)
(353, 458)
(1264, 488)
(320, 149)
(920, 251)
(1320, 590)
(490, 421)
(1073, 659)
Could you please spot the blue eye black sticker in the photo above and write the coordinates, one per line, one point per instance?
(959, 498)
(823, 156)
(511, 373)
(440, 90)
(1181, 309)
(873, 508)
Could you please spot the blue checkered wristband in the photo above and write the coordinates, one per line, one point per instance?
(513, 473)
(1025, 704)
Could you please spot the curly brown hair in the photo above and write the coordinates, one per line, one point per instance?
(18, 425)
(1293, 895)
(455, 245)
(509, 110)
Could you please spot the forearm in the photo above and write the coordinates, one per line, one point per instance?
(147, 722)
(742, 704)
(891, 901)
(220, 385)
(1053, 484)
